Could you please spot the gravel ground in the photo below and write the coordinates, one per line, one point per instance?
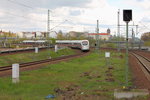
(139, 78)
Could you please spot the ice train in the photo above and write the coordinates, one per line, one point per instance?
(80, 44)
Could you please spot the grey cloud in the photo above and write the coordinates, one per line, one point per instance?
(75, 13)
(145, 19)
(61, 3)
(12, 8)
(17, 16)
(139, 0)
(50, 4)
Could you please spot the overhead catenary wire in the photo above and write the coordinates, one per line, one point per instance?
(144, 26)
(23, 17)
(27, 6)
(58, 25)
(21, 4)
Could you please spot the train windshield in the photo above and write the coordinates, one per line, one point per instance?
(84, 43)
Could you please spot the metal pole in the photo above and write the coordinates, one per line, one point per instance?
(136, 32)
(97, 34)
(48, 31)
(96, 37)
(48, 23)
(118, 30)
(136, 29)
(140, 45)
(126, 72)
(132, 38)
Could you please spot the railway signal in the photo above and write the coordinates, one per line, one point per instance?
(127, 17)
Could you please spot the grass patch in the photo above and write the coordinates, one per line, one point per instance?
(27, 57)
(81, 79)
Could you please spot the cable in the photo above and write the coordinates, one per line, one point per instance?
(144, 25)
(58, 24)
(23, 17)
(20, 17)
(18, 3)
(21, 4)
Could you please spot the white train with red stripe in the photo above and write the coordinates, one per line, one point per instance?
(81, 44)
(34, 42)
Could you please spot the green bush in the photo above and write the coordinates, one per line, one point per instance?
(147, 43)
(108, 45)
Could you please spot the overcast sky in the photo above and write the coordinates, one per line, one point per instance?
(72, 15)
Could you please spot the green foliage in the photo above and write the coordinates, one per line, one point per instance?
(60, 36)
(53, 41)
(147, 43)
(8, 34)
(146, 36)
(116, 38)
(108, 45)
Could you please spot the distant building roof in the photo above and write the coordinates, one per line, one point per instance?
(98, 34)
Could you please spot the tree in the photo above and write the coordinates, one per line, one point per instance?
(60, 35)
(60, 32)
(146, 36)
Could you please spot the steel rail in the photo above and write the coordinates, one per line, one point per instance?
(145, 62)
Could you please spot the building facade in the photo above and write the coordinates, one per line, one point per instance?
(31, 35)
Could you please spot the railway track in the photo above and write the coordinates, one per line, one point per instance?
(27, 65)
(145, 62)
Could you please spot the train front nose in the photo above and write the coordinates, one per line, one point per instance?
(85, 47)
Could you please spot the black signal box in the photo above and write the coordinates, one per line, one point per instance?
(127, 15)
